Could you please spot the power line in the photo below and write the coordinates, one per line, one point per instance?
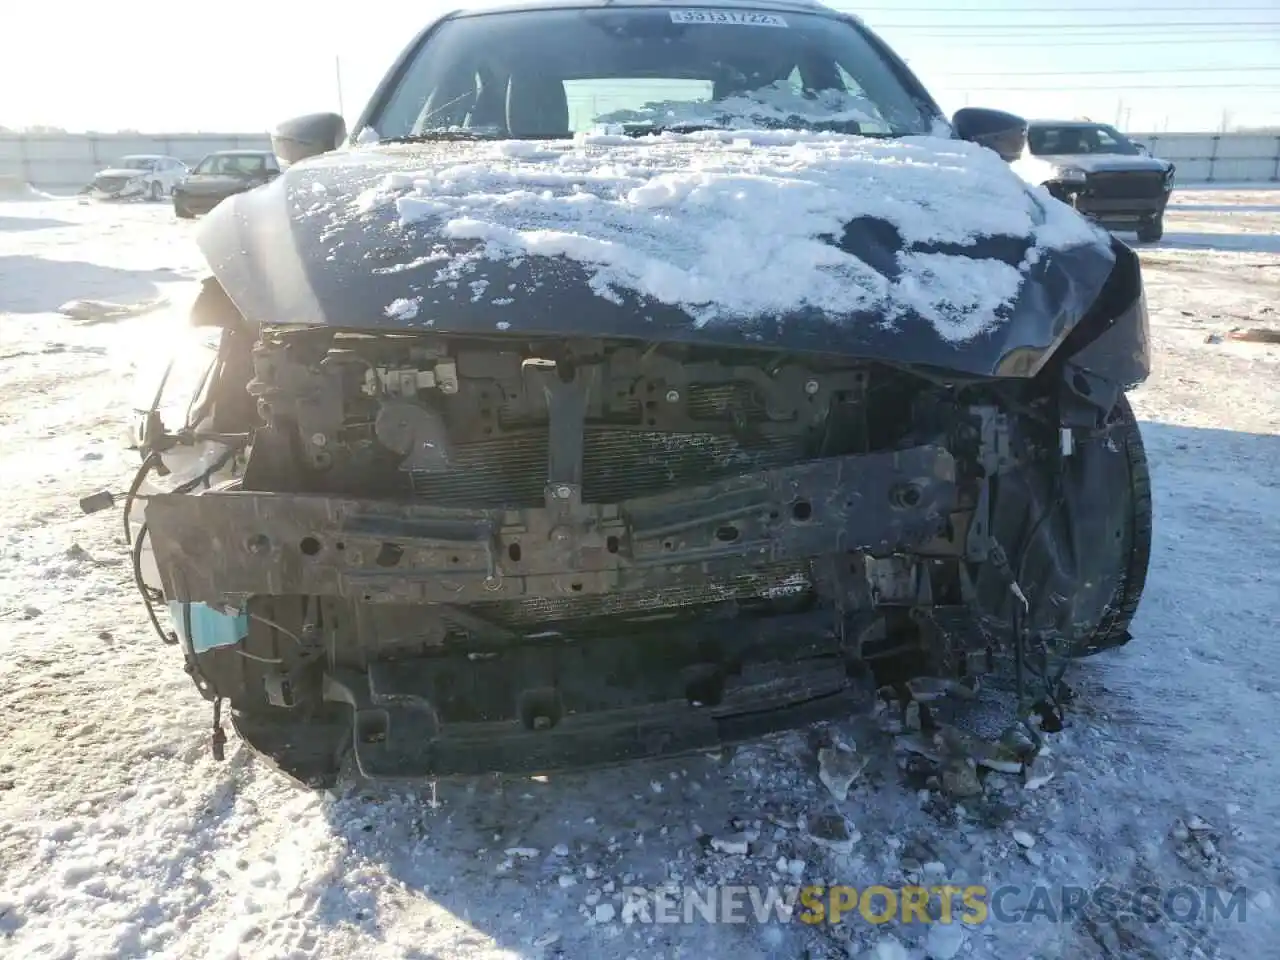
(1005, 40)
(1270, 68)
(1091, 27)
(1077, 88)
(1105, 8)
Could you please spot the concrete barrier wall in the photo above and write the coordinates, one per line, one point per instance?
(1217, 158)
(65, 162)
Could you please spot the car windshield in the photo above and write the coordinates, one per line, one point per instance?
(1050, 141)
(553, 73)
(233, 164)
(136, 163)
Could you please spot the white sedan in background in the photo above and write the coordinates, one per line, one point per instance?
(140, 175)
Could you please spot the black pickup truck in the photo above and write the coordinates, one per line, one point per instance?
(1102, 173)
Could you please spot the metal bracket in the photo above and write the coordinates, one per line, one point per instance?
(568, 395)
(280, 685)
(995, 451)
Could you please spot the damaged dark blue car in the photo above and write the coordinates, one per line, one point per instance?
(562, 521)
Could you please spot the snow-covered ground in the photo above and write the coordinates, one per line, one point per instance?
(121, 837)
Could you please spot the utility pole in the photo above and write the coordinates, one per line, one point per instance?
(337, 72)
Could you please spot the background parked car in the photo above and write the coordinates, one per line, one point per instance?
(1101, 172)
(221, 174)
(139, 175)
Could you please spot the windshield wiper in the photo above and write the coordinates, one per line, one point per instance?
(435, 136)
(645, 129)
(849, 127)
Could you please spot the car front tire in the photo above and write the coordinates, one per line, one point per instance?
(180, 210)
(1151, 231)
(1135, 538)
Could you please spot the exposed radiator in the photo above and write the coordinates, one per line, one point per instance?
(617, 464)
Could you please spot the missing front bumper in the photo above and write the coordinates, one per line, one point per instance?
(522, 698)
(220, 548)
(554, 707)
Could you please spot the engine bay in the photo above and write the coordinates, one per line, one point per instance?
(437, 547)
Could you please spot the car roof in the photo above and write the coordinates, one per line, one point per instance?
(783, 6)
(247, 152)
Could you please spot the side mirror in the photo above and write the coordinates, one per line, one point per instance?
(1005, 133)
(308, 136)
(1142, 149)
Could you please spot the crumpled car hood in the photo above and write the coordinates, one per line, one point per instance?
(917, 250)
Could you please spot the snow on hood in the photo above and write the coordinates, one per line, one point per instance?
(733, 224)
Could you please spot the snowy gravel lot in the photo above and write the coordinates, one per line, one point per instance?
(121, 837)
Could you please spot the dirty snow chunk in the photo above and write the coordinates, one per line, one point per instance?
(735, 844)
(1024, 839)
(605, 912)
(1038, 772)
(837, 769)
(560, 849)
(960, 779)
(727, 234)
(888, 947)
(527, 853)
(521, 148)
(930, 689)
(834, 832)
(944, 941)
(403, 308)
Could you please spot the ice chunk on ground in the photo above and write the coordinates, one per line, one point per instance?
(837, 769)
(944, 941)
